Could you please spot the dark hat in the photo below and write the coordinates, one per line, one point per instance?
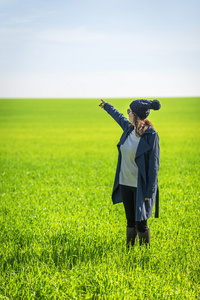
(142, 107)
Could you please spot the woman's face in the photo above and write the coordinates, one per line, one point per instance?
(131, 116)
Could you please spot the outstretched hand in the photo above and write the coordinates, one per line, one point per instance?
(102, 103)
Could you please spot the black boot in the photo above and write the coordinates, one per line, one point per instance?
(144, 237)
(131, 234)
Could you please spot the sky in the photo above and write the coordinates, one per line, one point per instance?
(99, 49)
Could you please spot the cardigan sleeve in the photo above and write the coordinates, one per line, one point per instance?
(153, 165)
(117, 116)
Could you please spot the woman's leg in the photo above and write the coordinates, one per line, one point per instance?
(142, 226)
(129, 199)
(143, 232)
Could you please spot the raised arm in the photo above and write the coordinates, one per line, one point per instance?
(117, 116)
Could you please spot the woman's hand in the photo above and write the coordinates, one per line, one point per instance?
(102, 103)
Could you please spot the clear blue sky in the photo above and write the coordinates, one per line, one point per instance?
(107, 48)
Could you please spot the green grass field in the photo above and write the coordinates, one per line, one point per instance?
(60, 235)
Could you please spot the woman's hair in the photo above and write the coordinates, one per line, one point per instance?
(141, 125)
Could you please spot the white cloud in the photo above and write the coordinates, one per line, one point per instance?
(74, 35)
(80, 34)
(6, 2)
(112, 84)
(58, 51)
(19, 19)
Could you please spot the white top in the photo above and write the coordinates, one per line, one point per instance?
(129, 170)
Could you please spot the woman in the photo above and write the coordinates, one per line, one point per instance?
(136, 183)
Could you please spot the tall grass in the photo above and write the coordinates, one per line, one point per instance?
(60, 235)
